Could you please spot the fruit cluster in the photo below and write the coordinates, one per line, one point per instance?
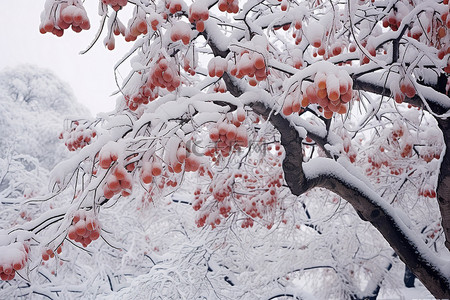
(175, 6)
(48, 253)
(164, 74)
(77, 136)
(331, 91)
(181, 31)
(395, 16)
(85, 228)
(221, 197)
(66, 16)
(13, 258)
(251, 64)
(427, 192)
(198, 13)
(119, 181)
(115, 4)
(146, 94)
(217, 66)
(136, 27)
(150, 169)
(228, 136)
(430, 156)
(230, 6)
(189, 66)
(107, 155)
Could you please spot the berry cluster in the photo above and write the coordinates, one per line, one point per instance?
(78, 136)
(150, 169)
(85, 228)
(230, 6)
(13, 258)
(145, 95)
(331, 91)
(427, 191)
(198, 13)
(261, 200)
(189, 66)
(66, 16)
(175, 6)
(115, 4)
(217, 66)
(251, 65)
(181, 31)
(106, 156)
(228, 136)
(48, 253)
(120, 181)
(135, 28)
(164, 74)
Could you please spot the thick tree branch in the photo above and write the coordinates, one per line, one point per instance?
(413, 252)
(292, 143)
(443, 187)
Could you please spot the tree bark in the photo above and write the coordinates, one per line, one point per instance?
(388, 225)
(443, 187)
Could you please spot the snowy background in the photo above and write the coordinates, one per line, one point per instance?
(91, 75)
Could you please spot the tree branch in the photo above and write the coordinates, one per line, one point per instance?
(326, 173)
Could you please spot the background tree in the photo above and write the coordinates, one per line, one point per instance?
(266, 107)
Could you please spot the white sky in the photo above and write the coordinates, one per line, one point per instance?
(90, 76)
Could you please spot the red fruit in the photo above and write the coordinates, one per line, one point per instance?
(287, 109)
(259, 62)
(156, 169)
(113, 183)
(80, 230)
(17, 266)
(328, 114)
(107, 192)
(337, 50)
(240, 115)
(94, 235)
(317, 43)
(147, 178)
(91, 225)
(200, 26)
(105, 162)
(305, 101)
(120, 173)
(214, 134)
(177, 168)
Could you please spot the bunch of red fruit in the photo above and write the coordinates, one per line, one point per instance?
(230, 6)
(228, 136)
(331, 91)
(48, 253)
(198, 13)
(13, 258)
(85, 228)
(115, 4)
(78, 137)
(66, 16)
(164, 74)
(251, 64)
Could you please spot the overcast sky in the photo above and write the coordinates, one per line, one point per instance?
(91, 75)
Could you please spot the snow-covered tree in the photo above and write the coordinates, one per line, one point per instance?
(304, 139)
(34, 104)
